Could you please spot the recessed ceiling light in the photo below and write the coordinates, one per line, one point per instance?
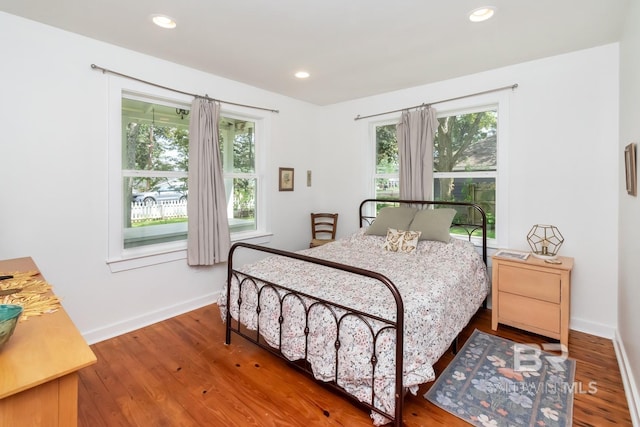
(163, 21)
(302, 74)
(482, 13)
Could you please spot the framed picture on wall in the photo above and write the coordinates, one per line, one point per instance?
(286, 179)
(630, 169)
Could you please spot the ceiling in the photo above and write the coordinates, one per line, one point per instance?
(352, 48)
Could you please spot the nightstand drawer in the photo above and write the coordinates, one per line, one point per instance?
(517, 310)
(530, 283)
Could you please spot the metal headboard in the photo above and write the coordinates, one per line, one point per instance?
(366, 219)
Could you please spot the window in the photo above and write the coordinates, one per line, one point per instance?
(465, 160)
(387, 162)
(155, 156)
(237, 146)
(149, 156)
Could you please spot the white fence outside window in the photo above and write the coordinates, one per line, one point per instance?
(141, 211)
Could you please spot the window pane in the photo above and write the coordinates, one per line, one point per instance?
(155, 137)
(158, 190)
(237, 145)
(155, 211)
(481, 191)
(466, 142)
(387, 188)
(241, 193)
(386, 150)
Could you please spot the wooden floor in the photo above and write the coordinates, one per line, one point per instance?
(180, 373)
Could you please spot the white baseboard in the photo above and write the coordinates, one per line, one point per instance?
(119, 328)
(593, 328)
(630, 386)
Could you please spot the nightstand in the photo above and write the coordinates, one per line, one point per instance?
(532, 295)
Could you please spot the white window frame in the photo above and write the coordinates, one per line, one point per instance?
(119, 258)
(261, 130)
(374, 149)
(496, 100)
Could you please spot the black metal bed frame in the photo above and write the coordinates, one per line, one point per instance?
(285, 293)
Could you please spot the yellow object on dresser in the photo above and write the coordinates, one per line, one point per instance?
(533, 295)
(39, 366)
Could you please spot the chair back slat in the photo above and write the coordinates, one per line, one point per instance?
(323, 228)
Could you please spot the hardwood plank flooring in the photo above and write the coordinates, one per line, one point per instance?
(179, 372)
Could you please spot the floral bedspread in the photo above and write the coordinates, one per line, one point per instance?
(442, 285)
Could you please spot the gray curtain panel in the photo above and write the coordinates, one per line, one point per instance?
(415, 134)
(208, 240)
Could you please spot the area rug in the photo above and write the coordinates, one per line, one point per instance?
(496, 382)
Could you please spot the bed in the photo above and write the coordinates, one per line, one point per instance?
(369, 314)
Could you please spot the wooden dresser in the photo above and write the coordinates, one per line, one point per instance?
(39, 367)
(532, 295)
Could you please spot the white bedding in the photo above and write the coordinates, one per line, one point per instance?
(442, 285)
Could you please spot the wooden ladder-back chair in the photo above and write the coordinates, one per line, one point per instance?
(323, 228)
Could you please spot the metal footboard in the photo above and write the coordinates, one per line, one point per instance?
(310, 302)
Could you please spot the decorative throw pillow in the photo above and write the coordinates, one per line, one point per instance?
(401, 241)
(398, 218)
(433, 223)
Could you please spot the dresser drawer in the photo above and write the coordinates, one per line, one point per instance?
(521, 311)
(530, 283)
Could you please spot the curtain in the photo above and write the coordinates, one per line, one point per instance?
(208, 239)
(415, 134)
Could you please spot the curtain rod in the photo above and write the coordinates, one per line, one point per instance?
(106, 70)
(512, 87)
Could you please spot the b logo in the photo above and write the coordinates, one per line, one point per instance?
(527, 357)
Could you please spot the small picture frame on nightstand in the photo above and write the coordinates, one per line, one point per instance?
(516, 255)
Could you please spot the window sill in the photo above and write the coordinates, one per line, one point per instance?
(136, 258)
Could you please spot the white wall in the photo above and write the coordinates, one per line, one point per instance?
(562, 167)
(53, 174)
(629, 233)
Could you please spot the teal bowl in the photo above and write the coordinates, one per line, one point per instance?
(9, 315)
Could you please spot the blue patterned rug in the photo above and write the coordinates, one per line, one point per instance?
(496, 382)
